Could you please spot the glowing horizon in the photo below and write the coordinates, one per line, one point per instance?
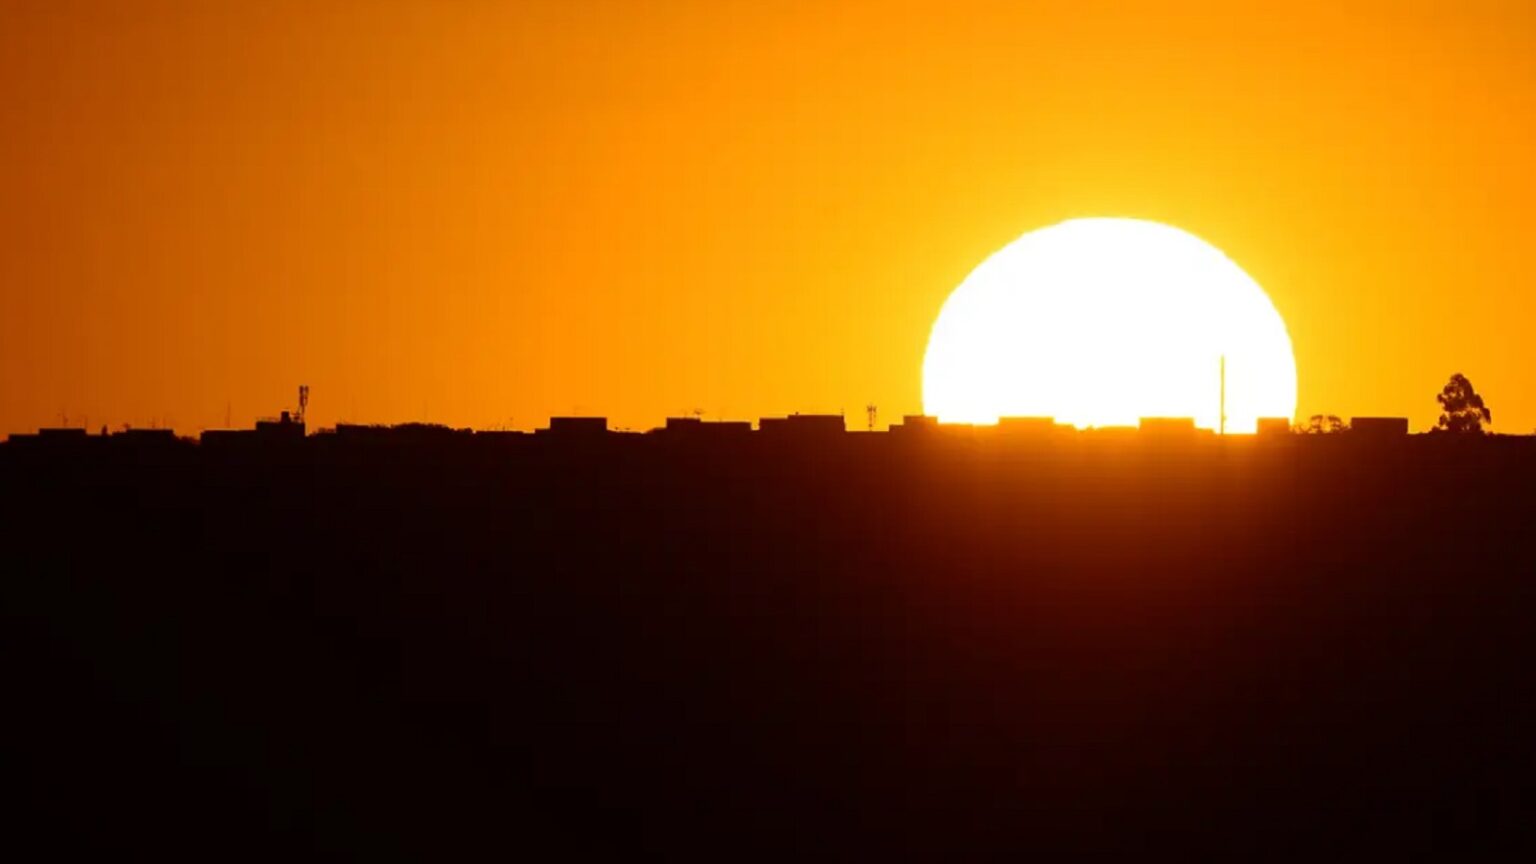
(483, 214)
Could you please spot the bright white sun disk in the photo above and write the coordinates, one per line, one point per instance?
(1100, 322)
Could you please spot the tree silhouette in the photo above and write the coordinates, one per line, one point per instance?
(1322, 424)
(1463, 409)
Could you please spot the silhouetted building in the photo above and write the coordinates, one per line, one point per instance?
(803, 425)
(1112, 433)
(916, 422)
(63, 439)
(137, 436)
(146, 443)
(500, 435)
(284, 427)
(683, 425)
(1273, 426)
(403, 434)
(1170, 427)
(580, 426)
(223, 438)
(1378, 427)
(1026, 426)
(694, 428)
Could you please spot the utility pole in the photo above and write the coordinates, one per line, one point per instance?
(1223, 394)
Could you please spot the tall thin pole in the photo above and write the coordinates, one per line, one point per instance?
(1223, 394)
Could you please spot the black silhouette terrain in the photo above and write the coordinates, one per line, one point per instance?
(431, 644)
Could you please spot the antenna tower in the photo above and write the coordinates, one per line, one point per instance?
(873, 412)
(303, 402)
(1223, 394)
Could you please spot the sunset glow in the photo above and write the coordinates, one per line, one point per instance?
(487, 214)
(1100, 322)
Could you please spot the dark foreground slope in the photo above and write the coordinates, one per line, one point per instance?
(868, 645)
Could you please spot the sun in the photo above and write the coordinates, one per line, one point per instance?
(1101, 322)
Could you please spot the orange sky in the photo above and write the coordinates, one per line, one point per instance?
(486, 213)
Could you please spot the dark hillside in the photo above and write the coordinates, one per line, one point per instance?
(851, 645)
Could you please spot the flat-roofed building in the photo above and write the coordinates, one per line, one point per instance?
(1378, 427)
(226, 437)
(145, 435)
(1268, 426)
(803, 425)
(915, 423)
(694, 428)
(727, 428)
(1167, 426)
(62, 439)
(1034, 426)
(682, 425)
(577, 426)
(1101, 434)
(499, 436)
(146, 441)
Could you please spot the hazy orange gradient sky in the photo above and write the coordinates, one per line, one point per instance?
(484, 213)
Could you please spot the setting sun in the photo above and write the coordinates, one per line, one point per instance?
(1100, 322)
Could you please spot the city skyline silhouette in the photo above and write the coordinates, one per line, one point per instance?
(424, 642)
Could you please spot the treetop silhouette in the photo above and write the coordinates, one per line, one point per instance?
(1462, 408)
(1321, 424)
